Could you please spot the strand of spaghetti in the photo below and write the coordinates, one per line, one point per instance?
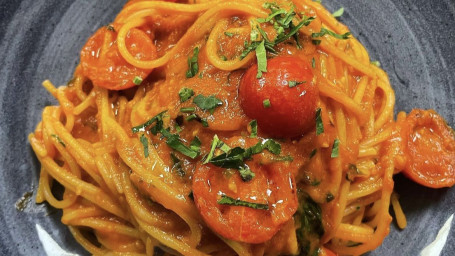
(367, 152)
(353, 233)
(340, 123)
(72, 214)
(82, 188)
(329, 90)
(323, 14)
(86, 103)
(40, 191)
(37, 147)
(338, 211)
(211, 48)
(387, 112)
(89, 246)
(240, 248)
(359, 218)
(105, 169)
(67, 107)
(78, 83)
(399, 215)
(365, 188)
(360, 90)
(378, 138)
(108, 226)
(50, 88)
(59, 204)
(200, 27)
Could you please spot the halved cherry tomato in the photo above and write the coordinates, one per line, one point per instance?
(272, 185)
(102, 62)
(292, 108)
(431, 149)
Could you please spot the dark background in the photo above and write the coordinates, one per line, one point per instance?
(40, 39)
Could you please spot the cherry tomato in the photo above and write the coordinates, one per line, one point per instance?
(102, 62)
(288, 86)
(431, 150)
(272, 185)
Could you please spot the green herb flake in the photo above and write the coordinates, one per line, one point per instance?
(177, 165)
(376, 63)
(188, 110)
(197, 118)
(195, 144)
(59, 140)
(325, 31)
(329, 197)
(261, 56)
(226, 200)
(316, 42)
(185, 94)
(315, 183)
(145, 144)
(292, 84)
(313, 153)
(335, 149)
(254, 128)
(159, 124)
(338, 13)
(110, 28)
(266, 103)
(137, 80)
(319, 123)
(309, 216)
(313, 63)
(223, 58)
(174, 142)
(193, 67)
(246, 174)
(228, 34)
(209, 103)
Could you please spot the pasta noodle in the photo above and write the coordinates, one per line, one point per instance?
(128, 189)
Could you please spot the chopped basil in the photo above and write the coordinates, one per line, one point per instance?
(110, 28)
(185, 94)
(335, 149)
(246, 174)
(329, 197)
(193, 67)
(261, 56)
(195, 144)
(319, 123)
(315, 183)
(197, 118)
(316, 42)
(177, 165)
(224, 58)
(325, 31)
(226, 200)
(228, 34)
(137, 80)
(187, 110)
(295, 83)
(254, 34)
(338, 13)
(145, 144)
(254, 128)
(272, 146)
(59, 140)
(174, 142)
(159, 124)
(212, 149)
(309, 215)
(313, 63)
(282, 158)
(266, 103)
(207, 103)
(313, 153)
(376, 63)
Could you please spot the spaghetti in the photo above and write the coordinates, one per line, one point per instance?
(231, 128)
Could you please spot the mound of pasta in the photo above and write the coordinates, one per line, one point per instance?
(232, 128)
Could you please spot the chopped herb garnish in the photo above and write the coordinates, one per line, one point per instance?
(110, 28)
(197, 118)
(309, 215)
(319, 123)
(228, 34)
(174, 142)
(59, 140)
(188, 110)
(313, 153)
(224, 58)
(207, 103)
(246, 174)
(329, 197)
(338, 13)
(193, 67)
(261, 56)
(177, 165)
(376, 63)
(316, 42)
(325, 31)
(295, 83)
(159, 124)
(315, 183)
(254, 128)
(196, 144)
(185, 94)
(313, 63)
(335, 149)
(266, 103)
(137, 80)
(145, 144)
(226, 200)
(282, 158)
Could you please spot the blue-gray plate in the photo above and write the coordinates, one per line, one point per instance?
(414, 40)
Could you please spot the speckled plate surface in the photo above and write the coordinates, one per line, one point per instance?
(413, 39)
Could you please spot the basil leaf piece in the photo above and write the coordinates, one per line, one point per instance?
(325, 31)
(228, 34)
(338, 13)
(159, 123)
(197, 118)
(261, 56)
(59, 140)
(145, 144)
(226, 200)
(185, 94)
(137, 80)
(207, 103)
(313, 153)
(174, 142)
(193, 66)
(292, 84)
(266, 103)
(335, 149)
(177, 165)
(319, 123)
(254, 128)
(246, 174)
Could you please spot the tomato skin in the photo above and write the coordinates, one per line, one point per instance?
(430, 149)
(106, 67)
(271, 185)
(292, 110)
